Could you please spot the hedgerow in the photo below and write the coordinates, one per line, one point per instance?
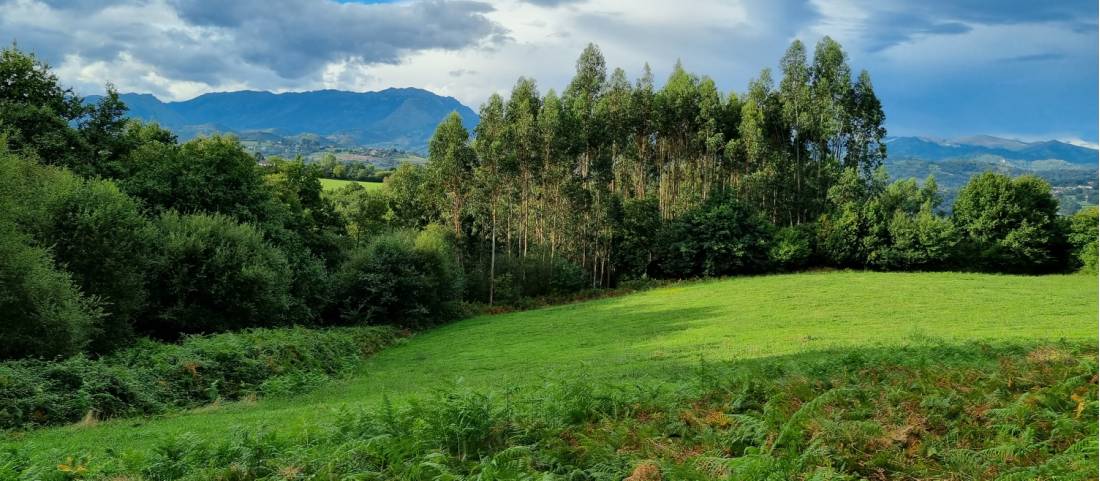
(921, 412)
(156, 377)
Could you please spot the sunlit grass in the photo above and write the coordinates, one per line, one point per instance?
(656, 336)
(333, 184)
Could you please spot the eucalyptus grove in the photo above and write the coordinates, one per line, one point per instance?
(552, 172)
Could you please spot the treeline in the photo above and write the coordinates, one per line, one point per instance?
(622, 180)
(333, 168)
(111, 230)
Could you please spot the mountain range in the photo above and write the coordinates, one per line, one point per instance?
(1071, 169)
(932, 149)
(401, 118)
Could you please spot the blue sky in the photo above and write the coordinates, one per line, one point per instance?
(1023, 69)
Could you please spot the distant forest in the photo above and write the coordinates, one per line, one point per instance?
(112, 230)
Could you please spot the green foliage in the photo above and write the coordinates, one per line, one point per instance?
(401, 278)
(154, 377)
(206, 174)
(1083, 239)
(638, 237)
(520, 279)
(928, 412)
(45, 314)
(365, 212)
(720, 237)
(792, 248)
(1011, 224)
(99, 235)
(214, 274)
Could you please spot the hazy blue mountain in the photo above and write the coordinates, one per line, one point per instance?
(401, 118)
(1070, 169)
(935, 150)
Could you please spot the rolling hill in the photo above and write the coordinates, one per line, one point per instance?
(661, 337)
(402, 118)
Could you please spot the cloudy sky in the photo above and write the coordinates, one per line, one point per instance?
(1018, 68)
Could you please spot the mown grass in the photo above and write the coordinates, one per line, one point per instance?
(654, 338)
(333, 184)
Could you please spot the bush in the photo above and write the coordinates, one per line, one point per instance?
(402, 278)
(154, 377)
(1011, 225)
(99, 235)
(214, 275)
(792, 247)
(537, 275)
(923, 241)
(44, 314)
(1083, 238)
(720, 237)
(637, 238)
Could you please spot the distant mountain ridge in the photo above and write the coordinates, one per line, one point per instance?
(935, 150)
(1071, 169)
(402, 118)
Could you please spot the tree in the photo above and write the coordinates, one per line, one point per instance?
(214, 274)
(451, 161)
(488, 184)
(103, 240)
(1083, 238)
(719, 237)
(1011, 224)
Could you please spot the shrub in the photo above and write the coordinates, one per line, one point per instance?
(536, 275)
(1083, 238)
(99, 235)
(1011, 225)
(923, 241)
(792, 247)
(720, 237)
(214, 275)
(44, 314)
(153, 377)
(402, 278)
(637, 237)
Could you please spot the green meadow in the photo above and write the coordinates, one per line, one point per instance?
(333, 184)
(660, 337)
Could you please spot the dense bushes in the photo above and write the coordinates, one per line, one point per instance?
(401, 278)
(214, 275)
(44, 314)
(921, 412)
(1082, 237)
(153, 377)
(100, 236)
(720, 237)
(1011, 224)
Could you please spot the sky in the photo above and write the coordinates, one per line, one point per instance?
(1023, 69)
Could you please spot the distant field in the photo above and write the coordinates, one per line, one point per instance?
(333, 184)
(658, 336)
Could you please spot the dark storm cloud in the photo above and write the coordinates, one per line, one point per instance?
(217, 40)
(892, 23)
(294, 38)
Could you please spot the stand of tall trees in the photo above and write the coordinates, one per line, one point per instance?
(552, 176)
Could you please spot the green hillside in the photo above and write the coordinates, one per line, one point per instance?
(660, 335)
(333, 184)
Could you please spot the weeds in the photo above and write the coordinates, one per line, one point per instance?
(939, 412)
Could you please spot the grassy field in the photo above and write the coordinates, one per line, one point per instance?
(658, 336)
(333, 184)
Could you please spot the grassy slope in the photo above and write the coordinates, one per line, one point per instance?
(333, 184)
(657, 335)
